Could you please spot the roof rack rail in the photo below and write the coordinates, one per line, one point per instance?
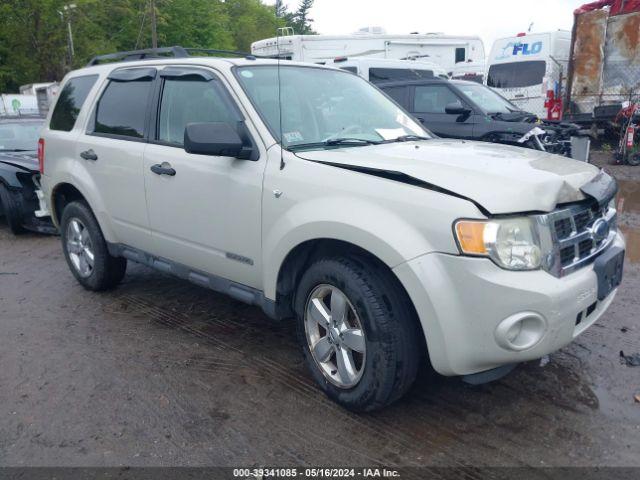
(150, 53)
(212, 51)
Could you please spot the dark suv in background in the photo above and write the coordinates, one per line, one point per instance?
(468, 110)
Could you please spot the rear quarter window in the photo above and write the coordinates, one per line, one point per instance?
(70, 102)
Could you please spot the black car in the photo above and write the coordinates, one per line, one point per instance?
(19, 174)
(468, 110)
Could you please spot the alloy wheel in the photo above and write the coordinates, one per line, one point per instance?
(335, 336)
(80, 248)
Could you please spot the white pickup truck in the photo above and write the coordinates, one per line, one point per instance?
(306, 191)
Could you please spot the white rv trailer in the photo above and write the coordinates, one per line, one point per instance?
(444, 50)
(524, 67)
(377, 70)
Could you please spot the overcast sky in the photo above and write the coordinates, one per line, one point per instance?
(490, 19)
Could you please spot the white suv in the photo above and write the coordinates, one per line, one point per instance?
(306, 191)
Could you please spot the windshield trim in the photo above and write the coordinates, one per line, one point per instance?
(276, 135)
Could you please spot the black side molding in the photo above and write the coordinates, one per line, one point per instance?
(242, 293)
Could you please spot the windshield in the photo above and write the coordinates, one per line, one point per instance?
(321, 105)
(486, 98)
(19, 136)
(516, 74)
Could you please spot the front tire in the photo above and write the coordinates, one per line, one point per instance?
(85, 249)
(358, 332)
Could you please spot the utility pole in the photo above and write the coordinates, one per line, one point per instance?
(154, 25)
(67, 11)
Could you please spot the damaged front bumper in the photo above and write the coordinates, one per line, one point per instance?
(478, 317)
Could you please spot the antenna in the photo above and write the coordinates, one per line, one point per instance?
(279, 31)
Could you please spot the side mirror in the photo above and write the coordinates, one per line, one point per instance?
(456, 108)
(214, 138)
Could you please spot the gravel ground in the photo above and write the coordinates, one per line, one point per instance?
(160, 372)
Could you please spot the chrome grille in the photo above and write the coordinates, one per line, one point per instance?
(563, 227)
(576, 235)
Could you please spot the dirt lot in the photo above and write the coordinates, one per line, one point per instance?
(162, 372)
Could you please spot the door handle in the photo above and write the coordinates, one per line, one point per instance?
(420, 119)
(89, 155)
(163, 169)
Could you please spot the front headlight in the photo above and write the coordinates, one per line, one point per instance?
(511, 243)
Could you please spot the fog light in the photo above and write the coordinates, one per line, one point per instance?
(520, 331)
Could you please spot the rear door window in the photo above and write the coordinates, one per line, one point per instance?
(70, 102)
(433, 98)
(122, 109)
(517, 74)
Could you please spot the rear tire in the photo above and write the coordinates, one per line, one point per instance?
(85, 249)
(376, 303)
(12, 211)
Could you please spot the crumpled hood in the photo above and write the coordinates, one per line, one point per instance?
(500, 178)
(24, 160)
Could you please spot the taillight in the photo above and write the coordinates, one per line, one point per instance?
(41, 155)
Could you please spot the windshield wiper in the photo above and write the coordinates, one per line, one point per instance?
(407, 138)
(332, 142)
(351, 141)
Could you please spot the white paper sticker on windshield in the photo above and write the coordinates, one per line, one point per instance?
(390, 133)
(292, 137)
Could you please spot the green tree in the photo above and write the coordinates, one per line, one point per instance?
(251, 20)
(281, 9)
(194, 23)
(300, 19)
(34, 38)
(32, 42)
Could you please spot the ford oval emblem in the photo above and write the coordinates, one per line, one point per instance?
(600, 230)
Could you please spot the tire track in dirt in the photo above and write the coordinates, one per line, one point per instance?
(382, 428)
(300, 386)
